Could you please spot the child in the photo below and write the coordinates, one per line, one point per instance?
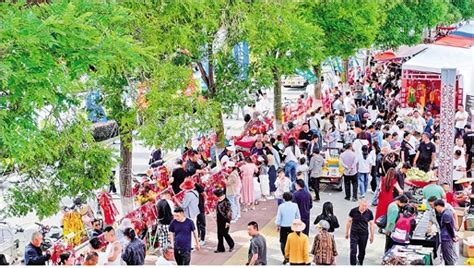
(263, 177)
(303, 168)
(282, 185)
(404, 226)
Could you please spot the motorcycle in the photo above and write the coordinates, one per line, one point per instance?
(51, 235)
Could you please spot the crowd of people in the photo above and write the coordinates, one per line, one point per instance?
(378, 148)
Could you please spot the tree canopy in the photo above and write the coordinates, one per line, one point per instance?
(281, 40)
(141, 55)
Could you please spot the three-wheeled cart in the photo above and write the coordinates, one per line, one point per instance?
(333, 171)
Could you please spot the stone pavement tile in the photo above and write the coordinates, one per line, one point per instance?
(273, 244)
(263, 214)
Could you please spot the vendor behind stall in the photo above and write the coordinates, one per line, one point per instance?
(433, 189)
(466, 190)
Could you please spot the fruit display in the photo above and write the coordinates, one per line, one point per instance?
(415, 174)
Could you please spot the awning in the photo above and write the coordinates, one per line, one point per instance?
(437, 57)
(465, 31)
(406, 51)
(387, 55)
(456, 41)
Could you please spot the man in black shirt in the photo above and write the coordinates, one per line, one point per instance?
(201, 217)
(312, 147)
(178, 175)
(97, 227)
(305, 136)
(357, 229)
(400, 175)
(165, 216)
(192, 165)
(425, 157)
(469, 143)
(405, 149)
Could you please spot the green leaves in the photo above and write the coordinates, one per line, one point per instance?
(348, 25)
(43, 138)
(280, 38)
(55, 164)
(405, 21)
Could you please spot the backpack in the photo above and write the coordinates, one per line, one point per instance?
(401, 232)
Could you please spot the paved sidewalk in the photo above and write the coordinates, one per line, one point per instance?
(263, 214)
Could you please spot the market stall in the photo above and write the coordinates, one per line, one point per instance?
(408, 255)
(426, 234)
(421, 75)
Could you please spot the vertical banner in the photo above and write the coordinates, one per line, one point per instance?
(241, 56)
(447, 114)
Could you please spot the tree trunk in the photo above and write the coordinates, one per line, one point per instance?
(125, 173)
(210, 68)
(220, 130)
(277, 98)
(318, 84)
(345, 66)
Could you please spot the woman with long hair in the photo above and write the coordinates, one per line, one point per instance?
(332, 137)
(247, 172)
(233, 188)
(364, 166)
(292, 153)
(388, 184)
(328, 215)
(361, 139)
(134, 253)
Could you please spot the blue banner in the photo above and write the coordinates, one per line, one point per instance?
(241, 56)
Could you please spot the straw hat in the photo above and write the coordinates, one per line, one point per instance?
(230, 164)
(298, 226)
(187, 185)
(463, 180)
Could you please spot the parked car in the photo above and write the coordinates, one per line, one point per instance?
(294, 81)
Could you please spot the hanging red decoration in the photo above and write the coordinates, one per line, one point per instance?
(109, 210)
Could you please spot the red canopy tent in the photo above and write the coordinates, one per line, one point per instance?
(385, 56)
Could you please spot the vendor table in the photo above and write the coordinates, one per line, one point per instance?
(408, 255)
(419, 235)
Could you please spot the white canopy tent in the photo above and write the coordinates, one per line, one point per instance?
(437, 57)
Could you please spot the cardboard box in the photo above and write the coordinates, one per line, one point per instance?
(468, 248)
(460, 216)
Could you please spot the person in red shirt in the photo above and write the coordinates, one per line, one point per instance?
(449, 195)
